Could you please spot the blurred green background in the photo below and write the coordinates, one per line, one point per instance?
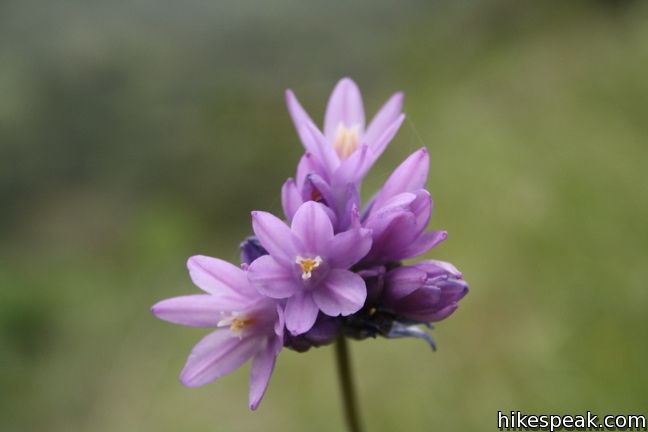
(134, 134)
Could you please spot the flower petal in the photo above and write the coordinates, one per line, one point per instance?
(422, 208)
(320, 148)
(350, 216)
(424, 305)
(297, 113)
(402, 281)
(271, 278)
(308, 164)
(437, 268)
(217, 277)
(344, 107)
(313, 226)
(274, 235)
(341, 293)
(290, 198)
(300, 313)
(410, 176)
(316, 189)
(392, 233)
(349, 247)
(217, 354)
(310, 136)
(380, 144)
(397, 203)
(424, 243)
(280, 322)
(261, 370)
(354, 168)
(387, 114)
(200, 310)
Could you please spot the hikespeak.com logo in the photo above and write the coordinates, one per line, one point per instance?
(518, 421)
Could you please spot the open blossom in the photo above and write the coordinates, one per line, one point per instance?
(343, 154)
(344, 134)
(399, 214)
(308, 265)
(248, 325)
(426, 292)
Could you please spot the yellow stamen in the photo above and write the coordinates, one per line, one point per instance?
(239, 324)
(346, 140)
(236, 322)
(308, 265)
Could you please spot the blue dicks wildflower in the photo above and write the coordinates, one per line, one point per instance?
(329, 270)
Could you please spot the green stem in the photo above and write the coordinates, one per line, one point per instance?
(349, 399)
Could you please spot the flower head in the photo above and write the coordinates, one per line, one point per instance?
(308, 265)
(329, 271)
(248, 325)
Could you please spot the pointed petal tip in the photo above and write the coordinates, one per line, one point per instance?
(193, 260)
(155, 309)
(256, 214)
(346, 81)
(186, 380)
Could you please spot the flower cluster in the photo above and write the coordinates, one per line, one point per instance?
(331, 267)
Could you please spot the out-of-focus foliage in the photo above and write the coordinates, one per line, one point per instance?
(134, 134)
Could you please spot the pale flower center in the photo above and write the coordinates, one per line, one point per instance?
(236, 322)
(307, 265)
(346, 140)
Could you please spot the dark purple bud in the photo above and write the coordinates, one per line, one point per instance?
(251, 249)
(425, 292)
(374, 278)
(325, 330)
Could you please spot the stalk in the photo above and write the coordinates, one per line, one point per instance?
(347, 387)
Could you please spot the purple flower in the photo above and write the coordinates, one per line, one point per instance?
(345, 152)
(399, 214)
(424, 292)
(307, 265)
(344, 126)
(249, 325)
